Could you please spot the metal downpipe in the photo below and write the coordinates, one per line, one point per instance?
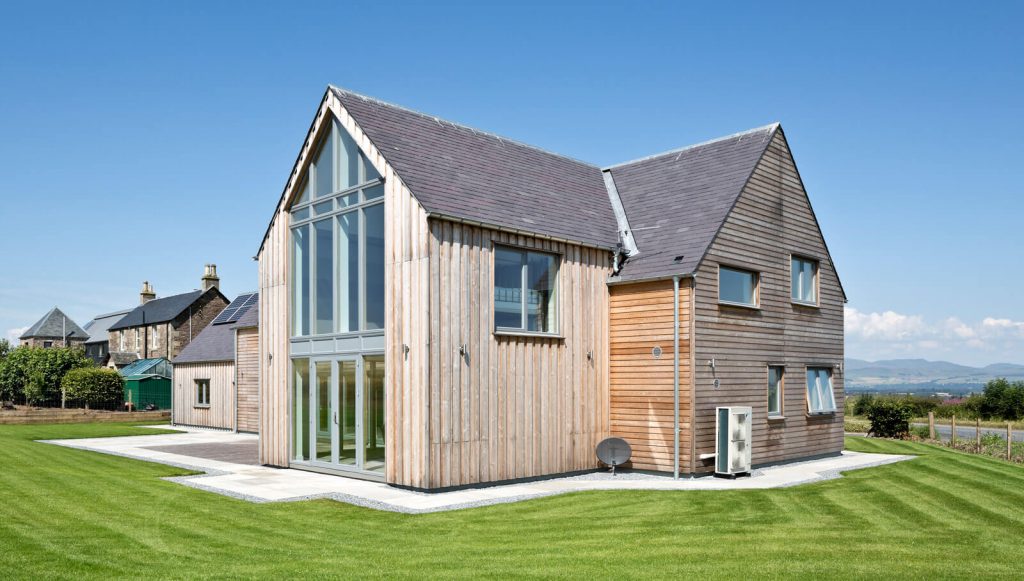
(675, 376)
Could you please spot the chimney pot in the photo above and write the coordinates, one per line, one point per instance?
(210, 278)
(147, 293)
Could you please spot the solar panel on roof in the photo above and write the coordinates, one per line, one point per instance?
(236, 309)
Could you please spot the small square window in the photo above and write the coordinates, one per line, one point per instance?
(775, 386)
(525, 291)
(820, 397)
(737, 287)
(202, 392)
(804, 280)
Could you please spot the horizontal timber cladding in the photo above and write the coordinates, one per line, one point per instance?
(247, 379)
(221, 411)
(512, 406)
(642, 384)
(771, 220)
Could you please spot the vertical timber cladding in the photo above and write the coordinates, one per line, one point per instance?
(771, 220)
(512, 406)
(641, 384)
(221, 411)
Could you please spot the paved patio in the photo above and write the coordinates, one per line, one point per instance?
(224, 458)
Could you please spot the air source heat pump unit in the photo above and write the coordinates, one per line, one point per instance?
(732, 441)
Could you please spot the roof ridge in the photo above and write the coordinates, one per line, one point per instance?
(769, 127)
(461, 126)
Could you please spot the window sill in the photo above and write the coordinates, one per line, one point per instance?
(805, 305)
(739, 306)
(821, 414)
(776, 418)
(514, 333)
(200, 406)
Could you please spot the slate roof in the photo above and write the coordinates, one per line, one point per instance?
(676, 202)
(123, 357)
(216, 342)
(99, 328)
(55, 324)
(251, 318)
(159, 310)
(459, 172)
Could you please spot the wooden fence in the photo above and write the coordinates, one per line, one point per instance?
(26, 415)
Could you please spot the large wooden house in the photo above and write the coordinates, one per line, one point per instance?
(443, 307)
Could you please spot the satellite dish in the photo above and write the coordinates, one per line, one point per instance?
(614, 452)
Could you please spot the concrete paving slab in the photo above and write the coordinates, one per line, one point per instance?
(210, 452)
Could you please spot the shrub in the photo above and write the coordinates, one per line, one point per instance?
(862, 404)
(890, 418)
(94, 387)
(920, 432)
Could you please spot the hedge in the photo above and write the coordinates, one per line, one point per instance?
(94, 387)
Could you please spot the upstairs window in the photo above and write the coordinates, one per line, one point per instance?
(737, 287)
(820, 397)
(525, 291)
(804, 280)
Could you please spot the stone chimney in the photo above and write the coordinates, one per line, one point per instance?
(210, 278)
(147, 293)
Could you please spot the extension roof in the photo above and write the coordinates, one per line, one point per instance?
(159, 310)
(99, 328)
(216, 342)
(54, 325)
(676, 202)
(144, 367)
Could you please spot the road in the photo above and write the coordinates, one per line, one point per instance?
(968, 432)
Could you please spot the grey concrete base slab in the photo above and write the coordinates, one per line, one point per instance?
(265, 484)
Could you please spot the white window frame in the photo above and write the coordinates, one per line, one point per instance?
(138, 339)
(793, 274)
(780, 412)
(757, 287)
(821, 391)
(202, 393)
(524, 322)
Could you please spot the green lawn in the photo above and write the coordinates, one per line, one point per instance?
(74, 514)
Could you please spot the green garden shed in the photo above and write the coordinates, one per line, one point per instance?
(148, 382)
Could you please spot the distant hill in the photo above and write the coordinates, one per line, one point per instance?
(921, 375)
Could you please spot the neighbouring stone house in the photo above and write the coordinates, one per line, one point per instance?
(55, 329)
(97, 346)
(162, 327)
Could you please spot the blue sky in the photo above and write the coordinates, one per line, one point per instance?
(142, 140)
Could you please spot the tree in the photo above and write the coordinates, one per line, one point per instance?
(33, 374)
(5, 348)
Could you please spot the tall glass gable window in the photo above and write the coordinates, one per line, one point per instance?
(337, 225)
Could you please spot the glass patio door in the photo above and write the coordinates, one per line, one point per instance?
(347, 412)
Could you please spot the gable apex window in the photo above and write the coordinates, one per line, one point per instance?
(337, 242)
(804, 280)
(525, 291)
(737, 287)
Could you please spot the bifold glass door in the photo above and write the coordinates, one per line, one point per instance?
(345, 402)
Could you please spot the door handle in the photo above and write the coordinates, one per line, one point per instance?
(335, 418)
